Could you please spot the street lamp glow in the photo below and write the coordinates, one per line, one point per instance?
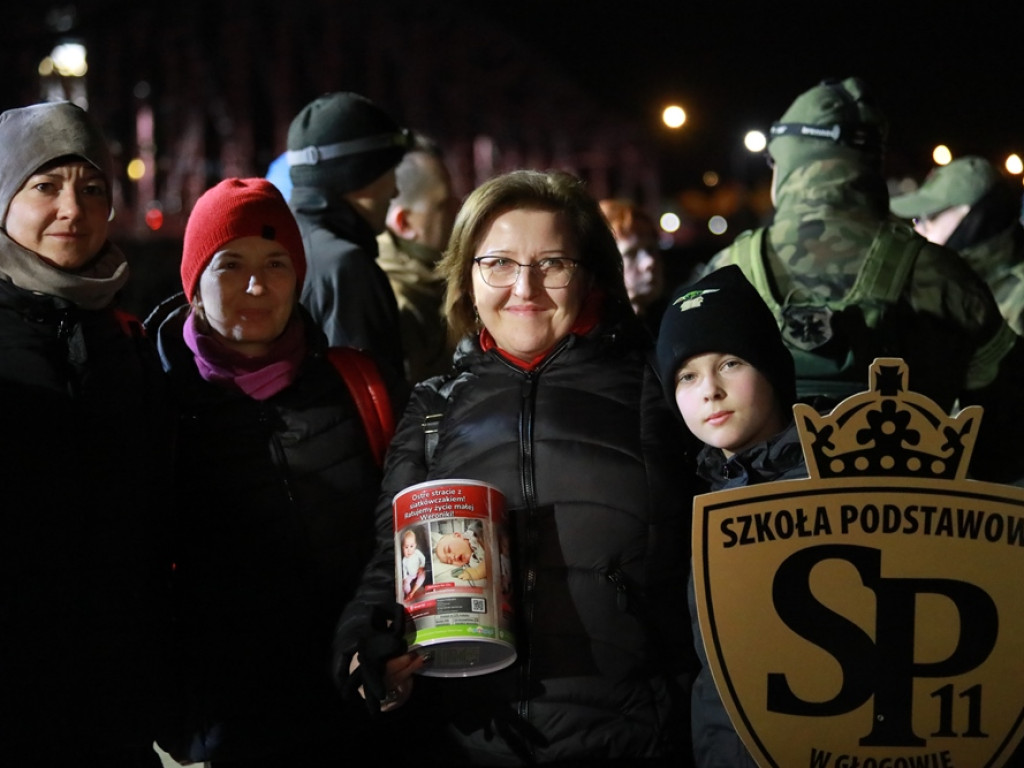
(941, 155)
(69, 59)
(1014, 164)
(717, 225)
(755, 141)
(136, 169)
(669, 222)
(673, 116)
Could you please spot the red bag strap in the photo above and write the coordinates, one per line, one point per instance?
(130, 324)
(367, 388)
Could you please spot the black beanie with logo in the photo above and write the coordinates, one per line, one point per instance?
(722, 312)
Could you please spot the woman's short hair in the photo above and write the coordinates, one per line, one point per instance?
(555, 191)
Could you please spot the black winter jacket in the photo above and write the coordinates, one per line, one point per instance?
(346, 291)
(599, 493)
(274, 526)
(83, 455)
(715, 741)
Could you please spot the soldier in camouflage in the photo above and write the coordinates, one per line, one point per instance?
(967, 206)
(419, 222)
(848, 282)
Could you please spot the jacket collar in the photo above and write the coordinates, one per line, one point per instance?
(338, 216)
(773, 459)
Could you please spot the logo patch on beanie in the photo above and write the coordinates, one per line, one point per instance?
(693, 299)
(268, 232)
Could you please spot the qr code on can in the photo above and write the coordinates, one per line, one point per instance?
(478, 605)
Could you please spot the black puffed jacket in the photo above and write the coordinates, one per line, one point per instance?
(83, 456)
(599, 491)
(345, 290)
(274, 525)
(715, 741)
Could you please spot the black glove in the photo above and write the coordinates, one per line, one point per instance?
(384, 641)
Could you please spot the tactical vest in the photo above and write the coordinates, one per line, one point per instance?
(833, 341)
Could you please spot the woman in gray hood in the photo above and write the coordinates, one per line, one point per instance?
(82, 456)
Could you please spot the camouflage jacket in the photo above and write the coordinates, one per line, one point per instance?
(419, 291)
(1000, 262)
(941, 318)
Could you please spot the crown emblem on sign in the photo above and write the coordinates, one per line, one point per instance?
(888, 431)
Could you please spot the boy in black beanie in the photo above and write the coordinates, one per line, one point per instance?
(727, 371)
(730, 377)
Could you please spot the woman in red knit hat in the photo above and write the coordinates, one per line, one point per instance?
(275, 489)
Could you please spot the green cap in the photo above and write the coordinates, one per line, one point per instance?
(962, 182)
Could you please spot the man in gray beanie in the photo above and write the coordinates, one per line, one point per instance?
(342, 153)
(847, 282)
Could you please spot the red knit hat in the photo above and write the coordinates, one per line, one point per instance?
(232, 209)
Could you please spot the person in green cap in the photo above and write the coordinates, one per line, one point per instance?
(969, 207)
(848, 282)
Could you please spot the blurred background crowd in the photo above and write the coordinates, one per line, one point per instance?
(200, 90)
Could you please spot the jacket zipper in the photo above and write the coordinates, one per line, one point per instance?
(65, 330)
(279, 456)
(617, 579)
(527, 392)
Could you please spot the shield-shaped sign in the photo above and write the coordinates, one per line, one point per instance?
(871, 616)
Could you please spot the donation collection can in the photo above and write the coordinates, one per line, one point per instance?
(453, 569)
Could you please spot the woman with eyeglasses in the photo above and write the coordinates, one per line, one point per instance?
(552, 399)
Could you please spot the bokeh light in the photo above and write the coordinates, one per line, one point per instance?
(673, 116)
(669, 222)
(717, 225)
(755, 141)
(69, 60)
(942, 155)
(154, 218)
(136, 169)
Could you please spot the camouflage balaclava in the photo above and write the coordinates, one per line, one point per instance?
(836, 118)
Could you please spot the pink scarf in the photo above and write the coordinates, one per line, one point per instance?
(258, 377)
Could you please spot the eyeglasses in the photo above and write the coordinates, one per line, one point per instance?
(500, 272)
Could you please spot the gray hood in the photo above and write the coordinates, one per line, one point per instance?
(33, 136)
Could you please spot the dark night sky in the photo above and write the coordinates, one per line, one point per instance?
(943, 71)
(948, 72)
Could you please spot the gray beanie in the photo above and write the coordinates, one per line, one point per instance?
(33, 136)
(343, 141)
(722, 312)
